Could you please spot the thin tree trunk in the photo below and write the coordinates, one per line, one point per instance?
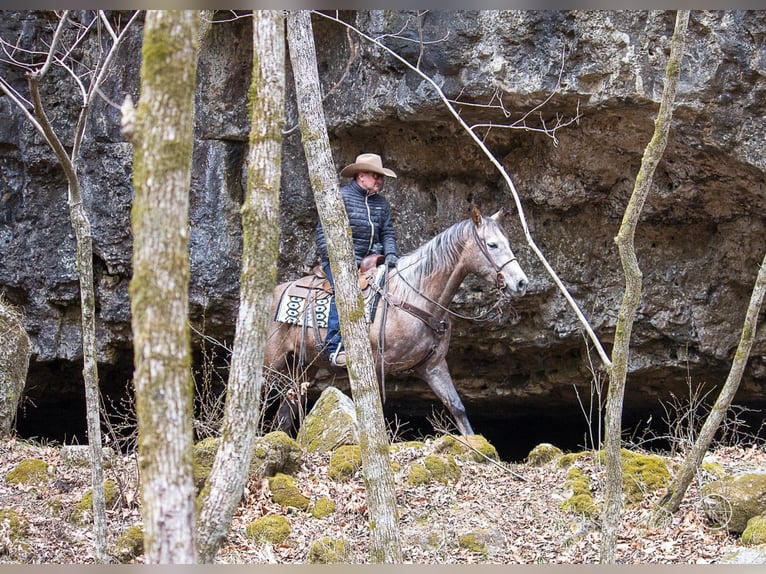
(376, 463)
(612, 512)
(84, 255)
(159, 287)
(672, 500)
(260, 229)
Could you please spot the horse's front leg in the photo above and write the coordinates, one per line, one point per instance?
(438, 378)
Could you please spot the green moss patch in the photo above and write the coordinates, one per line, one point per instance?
(83, 511)
(273, 529)
(581, 500)
(434, 467)
(30, 471)
(13, 529)
(285, 493)
(345, 461)
(130, 544)
(328, 550)
(323, 507)
(542, 454)
(473, 447)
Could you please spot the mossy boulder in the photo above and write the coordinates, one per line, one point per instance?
(643, 474)
(568, 459)
(276, 452)
(732, 501)
(15, 350)
(328, 550)
(130, 545)
(13, 530)
(203, 455)
(418, 475)
(472, 447)
(273, 529)
(755, 531)
(542, 454)
(581, 500)
(83, 511)
(31, 471)
(285, 493)
(323, 507)
(434, 467)
(330, 423)
(273, 453)
(345, 461)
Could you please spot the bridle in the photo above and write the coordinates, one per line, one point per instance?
(482, 243)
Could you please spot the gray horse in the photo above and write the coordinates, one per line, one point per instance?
(414, 308)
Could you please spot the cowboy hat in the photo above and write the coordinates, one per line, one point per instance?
(367, 162)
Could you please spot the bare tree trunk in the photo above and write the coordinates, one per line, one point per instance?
(376, 463)
(159, 287)
(260, 228)
(81, 227)
(633, 283)
(672, 500)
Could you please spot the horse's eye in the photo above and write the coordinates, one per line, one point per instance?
(492, 245)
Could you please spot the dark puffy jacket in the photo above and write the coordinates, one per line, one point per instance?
(370, 220)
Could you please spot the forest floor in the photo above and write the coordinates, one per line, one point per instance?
(494, 513)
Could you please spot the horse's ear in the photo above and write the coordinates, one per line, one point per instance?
(501, 213)
(476, 215)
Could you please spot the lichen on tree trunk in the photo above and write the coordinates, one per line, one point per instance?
(159, 287)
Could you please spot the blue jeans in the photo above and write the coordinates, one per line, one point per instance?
(333, 338)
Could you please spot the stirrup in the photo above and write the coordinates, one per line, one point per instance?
(339, 353)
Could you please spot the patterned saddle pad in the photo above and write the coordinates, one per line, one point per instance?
(306, 301)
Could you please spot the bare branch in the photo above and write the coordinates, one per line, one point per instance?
(51, 52)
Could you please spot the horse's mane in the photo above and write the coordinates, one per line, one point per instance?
(439, 253)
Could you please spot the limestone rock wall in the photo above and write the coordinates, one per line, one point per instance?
(699, 242)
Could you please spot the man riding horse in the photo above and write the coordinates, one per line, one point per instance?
(369, 215)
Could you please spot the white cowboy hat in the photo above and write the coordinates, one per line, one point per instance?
(367, 162)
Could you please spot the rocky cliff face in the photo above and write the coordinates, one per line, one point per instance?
(700, 239)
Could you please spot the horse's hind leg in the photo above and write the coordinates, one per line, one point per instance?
(438, 378)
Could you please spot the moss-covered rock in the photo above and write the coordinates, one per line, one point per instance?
(732, 501)
(542, 454)
(323, 507)
(203, 455)
(328, 550)
(13, 530)
(15, 350)
(130, 545)
(568, 459)
(443, 469)
(472, 447)
(30, 471)
(273, 529)
(275, 452)
(330, 423)
(285, 493)
(345, 461)
(755, 531)
(418, 475)
(434, 467)
(581, 499)
(83, 511)
(642, 474)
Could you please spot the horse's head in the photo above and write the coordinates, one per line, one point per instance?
(496, 261)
